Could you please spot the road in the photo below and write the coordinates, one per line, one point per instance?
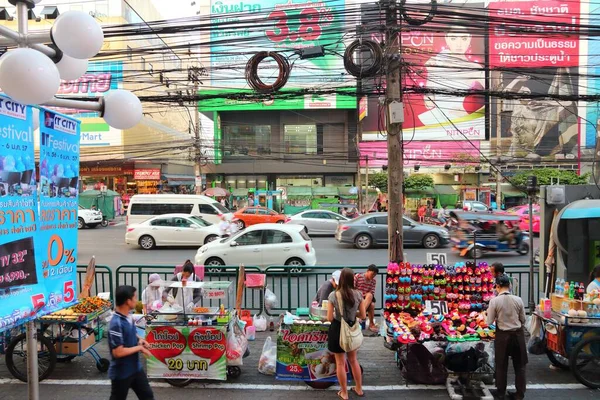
(108, 245)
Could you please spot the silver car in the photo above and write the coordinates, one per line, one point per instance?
(318, 222)
(372, 229)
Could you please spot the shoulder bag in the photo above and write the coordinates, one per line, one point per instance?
(351, 337)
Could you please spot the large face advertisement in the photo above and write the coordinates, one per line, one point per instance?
(593, 108)
(538, 62)
(275, 25)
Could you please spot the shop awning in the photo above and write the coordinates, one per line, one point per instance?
(512, 192)
(178, 180)
(444, 189)
(299, 191)
(239, 192)
(348, 192)
(325, 191)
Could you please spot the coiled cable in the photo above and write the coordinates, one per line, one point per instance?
(252, 72)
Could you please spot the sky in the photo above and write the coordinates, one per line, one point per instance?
(176, 8)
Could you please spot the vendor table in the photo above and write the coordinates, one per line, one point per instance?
(575, 345)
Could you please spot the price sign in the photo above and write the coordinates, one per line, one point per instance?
(213, 293)
(437, 258)
(436, 307)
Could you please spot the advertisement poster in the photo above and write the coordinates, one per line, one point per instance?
(428, 154)
(444, 81)
(56, 240)
(302, 354)
(20, 279)
(534, 128)
(593, 83)
(187, 352)
(274, 25)
(530, 34)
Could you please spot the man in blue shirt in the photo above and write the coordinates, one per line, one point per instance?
(125, 369)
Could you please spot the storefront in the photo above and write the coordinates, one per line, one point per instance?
(113, 176)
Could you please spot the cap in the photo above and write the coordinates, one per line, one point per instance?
(336, 276)
(153, 278)
(503, 281)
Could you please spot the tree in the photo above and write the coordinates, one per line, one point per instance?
(545, 176)
(418, 181)
(379, 180)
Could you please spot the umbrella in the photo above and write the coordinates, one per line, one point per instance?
(216, 192)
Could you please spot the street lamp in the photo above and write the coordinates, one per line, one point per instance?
(31, 74)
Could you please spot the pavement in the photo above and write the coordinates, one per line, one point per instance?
(382, 379)
(108, 245)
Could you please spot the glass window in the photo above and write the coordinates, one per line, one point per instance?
(250, 238)
(371, 221)
(246, 140)
(406, 222)
(207, 209)
(275, 237)
(263, 211)
(381, 220)
(181, 222)
(159, 209)
(220, 208)
(300, 139)
(250, 211)
(199, 221)
(310, 215)
(161, 222)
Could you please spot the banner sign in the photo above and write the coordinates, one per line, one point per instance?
(56, 240)
(530, 34)
(187, 352)
(275, 25)
(302, 353)
(429, 154)
(147, 174)
(20, 278)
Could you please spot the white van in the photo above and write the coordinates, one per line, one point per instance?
(145, 206)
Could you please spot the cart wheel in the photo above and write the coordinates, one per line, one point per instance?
(319, 385)
(557, 360)
(16, 357)
(234, 372)
(102, 364)
(64, 359)
(178, 382)
(585, 362)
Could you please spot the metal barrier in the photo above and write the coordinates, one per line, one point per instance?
(103, 282)
(137, 276)
(297, 290)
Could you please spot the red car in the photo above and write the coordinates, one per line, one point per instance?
(523, 212)
(257, 215)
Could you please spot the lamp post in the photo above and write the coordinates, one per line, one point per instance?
(31, 73)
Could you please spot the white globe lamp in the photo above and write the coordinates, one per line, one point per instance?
(77, 34)
(28, 76)
(71, 68)
(122, 109)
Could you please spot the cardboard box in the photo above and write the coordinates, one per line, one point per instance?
(73, 347)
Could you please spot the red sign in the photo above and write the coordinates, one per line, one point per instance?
(530, 34)
(433, 154)
(146, 174)
(363, 108)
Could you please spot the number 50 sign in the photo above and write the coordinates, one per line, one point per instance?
(437, 258)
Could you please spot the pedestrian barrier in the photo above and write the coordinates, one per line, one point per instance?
(103, 282)
(137, 276)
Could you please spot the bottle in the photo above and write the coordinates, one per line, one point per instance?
(566, 289)
(581, 291)
(572, 290)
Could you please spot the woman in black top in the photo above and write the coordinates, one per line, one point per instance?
(354, 307)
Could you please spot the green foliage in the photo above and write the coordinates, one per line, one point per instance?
(379, 180)
(546, 175)
(418, 181)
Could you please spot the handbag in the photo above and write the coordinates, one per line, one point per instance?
(351, 337)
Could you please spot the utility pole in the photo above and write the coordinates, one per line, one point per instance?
(366, 196)
(194, 77)
(394, 119)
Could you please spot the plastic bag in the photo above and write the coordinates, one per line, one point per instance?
(237, 344)
(260, 323)
(536, 345)
(270, 300)
(268, 359)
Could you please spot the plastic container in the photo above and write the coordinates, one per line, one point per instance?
(251, 333)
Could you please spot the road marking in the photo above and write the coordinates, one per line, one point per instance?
(242, 386)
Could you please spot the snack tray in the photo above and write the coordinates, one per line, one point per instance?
(74, 318)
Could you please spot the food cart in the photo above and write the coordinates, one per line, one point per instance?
(190, 344)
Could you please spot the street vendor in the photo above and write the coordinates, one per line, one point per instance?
(508, 313)
(187, 295)
(594, 280)
(366, 284)
(152, 296)
(328, 287)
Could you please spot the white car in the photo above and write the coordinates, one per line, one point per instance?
(172, 230)
(260, 245)
(86, 217)
(318, 222)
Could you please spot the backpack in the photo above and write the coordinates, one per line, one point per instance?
(423, 367)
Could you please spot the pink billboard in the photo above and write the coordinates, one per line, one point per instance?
(431, 154)
(531, 34)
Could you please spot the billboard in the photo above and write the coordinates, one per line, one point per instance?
(446, 59)
(593, 83)
(285, 25)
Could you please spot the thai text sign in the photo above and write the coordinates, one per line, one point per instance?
(187, 352)
(528, 34)
(433, 154)
(147, 174)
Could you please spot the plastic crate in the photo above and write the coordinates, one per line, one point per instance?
(556, 342)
